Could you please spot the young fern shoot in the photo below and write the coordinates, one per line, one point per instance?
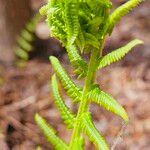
(82, 27)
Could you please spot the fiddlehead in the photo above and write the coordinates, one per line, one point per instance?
(71, 20)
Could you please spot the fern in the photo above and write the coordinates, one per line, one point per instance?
(78, 63)
(117, 54)
(50, 133)
(105, 100)
(26, 38)
(82, 27)
(72, 90)
(116, 16)
(67, 115)
(71, 20)
(89, 128)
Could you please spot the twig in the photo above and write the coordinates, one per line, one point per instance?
(19, 105)
(118, 139)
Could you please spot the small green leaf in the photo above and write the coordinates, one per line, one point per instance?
(108, 102)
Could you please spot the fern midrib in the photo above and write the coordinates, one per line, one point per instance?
(89, 81)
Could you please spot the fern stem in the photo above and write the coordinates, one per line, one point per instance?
(84, 104)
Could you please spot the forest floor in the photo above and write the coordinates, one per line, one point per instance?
(25, 91)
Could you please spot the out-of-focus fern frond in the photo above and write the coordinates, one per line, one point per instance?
(78, 63)
(121, 11)
(108, 102)
(70, 87)
(26, 38)
(50, 133)
(118, 54)
(66, 114)
(94, 135)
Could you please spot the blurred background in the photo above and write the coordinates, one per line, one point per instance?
(25, 79)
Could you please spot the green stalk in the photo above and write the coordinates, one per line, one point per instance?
(84, 104)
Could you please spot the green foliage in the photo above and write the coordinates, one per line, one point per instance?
(96, 95)
(73, 91)
(26, 38)
(89, 128)
(67, 115)
(117, 54)
(82, 26)
(50, 133)
(116, 16)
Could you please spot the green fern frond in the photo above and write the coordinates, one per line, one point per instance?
(72, 90)
(22, 54)
(91, 40)
(50, 133)
(78, 63)
(26, 38)
(71, 20)
(118, 54)
(82, 26)
(80, 41)
(25, 44)
(108, 102)
(67, 115)
(121, 11)
(89, 128)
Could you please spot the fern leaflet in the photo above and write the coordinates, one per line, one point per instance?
(70, 87)
(116, 16)
(71, 20)
(94, 135)
(117, 54)
(50, 133)
(67, 115)
(108, 102)
(78, 63)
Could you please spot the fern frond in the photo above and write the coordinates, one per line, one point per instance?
(116, 16)
(26, 38)
(71, 88)
(71, 20)
(91, 40)
(78, 63)
(50, 133)
(94, 135)
(118, 54)
(80, 41)
(108, 102)
(67, 115)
